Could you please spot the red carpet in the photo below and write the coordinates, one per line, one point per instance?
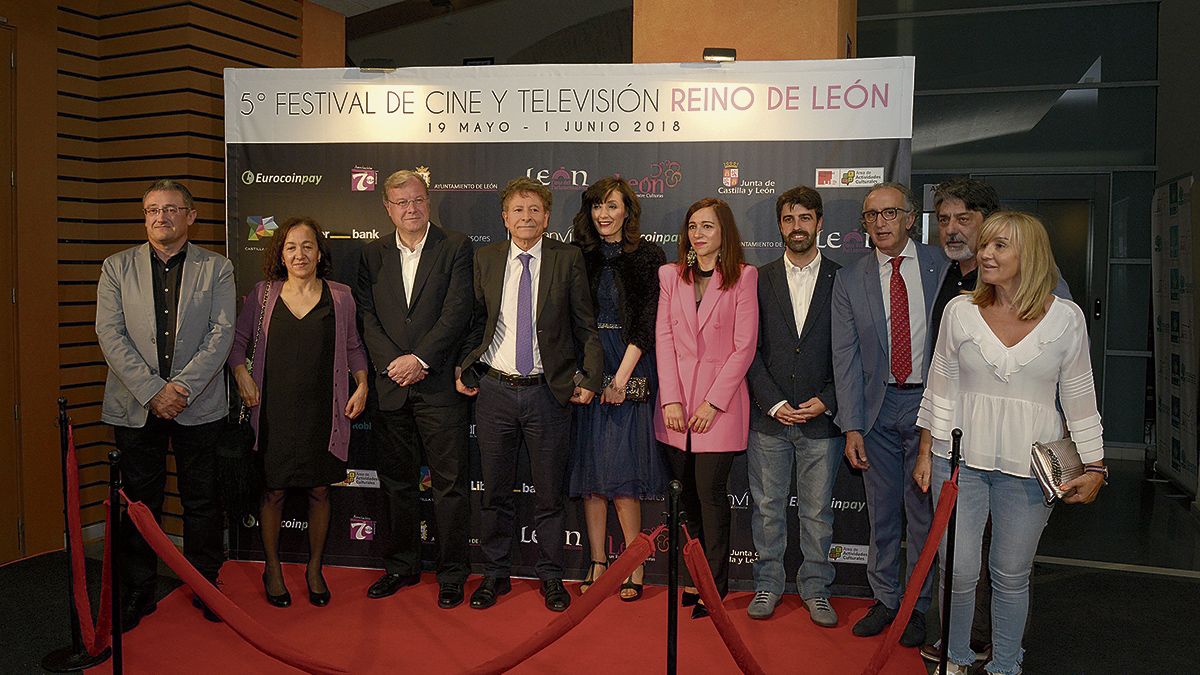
(408, 633)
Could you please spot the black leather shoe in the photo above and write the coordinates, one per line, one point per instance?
(318, 599)
(699, 611)
(450, 595)
(689, 599)
(914, 632)
(390, 583)
(284, 599)
(489, 590)
(208, 613)
(138, 603)
(877, 620)
(557, 597)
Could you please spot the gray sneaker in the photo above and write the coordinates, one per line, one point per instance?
(821, 612)
(763, 605)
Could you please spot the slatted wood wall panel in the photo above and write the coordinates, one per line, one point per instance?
(140, 98)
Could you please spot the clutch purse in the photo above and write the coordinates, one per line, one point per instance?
(637, 389)
(1054, 464)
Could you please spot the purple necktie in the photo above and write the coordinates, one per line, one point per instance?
(525, 317)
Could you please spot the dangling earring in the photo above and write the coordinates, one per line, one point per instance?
(691, 257)
(718, 256)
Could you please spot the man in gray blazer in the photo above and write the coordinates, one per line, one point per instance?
(164, 320)
(791, 423)
(882, 344)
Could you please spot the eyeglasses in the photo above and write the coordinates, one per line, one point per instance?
(404, 203)
(888, 214)
(169, 210)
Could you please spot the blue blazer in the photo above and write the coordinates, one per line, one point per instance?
(861, 359)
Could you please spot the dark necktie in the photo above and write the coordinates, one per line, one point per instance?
(901, 333)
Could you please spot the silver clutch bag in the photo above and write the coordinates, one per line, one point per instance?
(1054, 464)
(637, 389)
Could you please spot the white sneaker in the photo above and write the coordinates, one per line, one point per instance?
(763, 605)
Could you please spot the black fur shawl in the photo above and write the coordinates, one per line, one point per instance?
(637, 286)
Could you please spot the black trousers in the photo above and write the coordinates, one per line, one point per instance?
(705, 498)
(399, 437)
(504, 416)
(144, 474)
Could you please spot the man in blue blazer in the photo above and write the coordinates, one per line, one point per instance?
(882, 344)
(791, 422)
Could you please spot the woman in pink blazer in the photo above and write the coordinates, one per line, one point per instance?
(707, 330)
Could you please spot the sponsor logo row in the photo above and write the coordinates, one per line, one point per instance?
(656, 180)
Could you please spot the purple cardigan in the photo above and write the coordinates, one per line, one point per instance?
(348, 355)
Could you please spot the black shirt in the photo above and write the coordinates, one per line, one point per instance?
(954, 284)
(167, 276)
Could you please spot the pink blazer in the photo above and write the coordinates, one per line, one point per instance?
(703, 355)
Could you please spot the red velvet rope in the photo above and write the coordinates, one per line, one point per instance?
(941, 518)
(620, 569)
(697, 564)
(235, 617)
(96, 637)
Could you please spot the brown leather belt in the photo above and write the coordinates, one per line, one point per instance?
(516, 380)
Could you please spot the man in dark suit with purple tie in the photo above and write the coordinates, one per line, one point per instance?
(535, 351)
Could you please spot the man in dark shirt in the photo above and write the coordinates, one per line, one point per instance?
(164, 385)
(961, 205)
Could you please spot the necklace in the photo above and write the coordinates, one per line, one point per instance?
(703, 274)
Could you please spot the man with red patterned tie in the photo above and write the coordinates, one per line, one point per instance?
(882, 342)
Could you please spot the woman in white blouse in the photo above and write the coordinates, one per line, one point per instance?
(1003, 356)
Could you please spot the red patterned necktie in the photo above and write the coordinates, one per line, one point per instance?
(901, 335)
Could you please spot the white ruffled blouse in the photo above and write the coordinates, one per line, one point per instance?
(1003, 398)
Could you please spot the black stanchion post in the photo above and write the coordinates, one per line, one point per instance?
(114, 505)
(73, 657)
(673, 520)
(948, 563)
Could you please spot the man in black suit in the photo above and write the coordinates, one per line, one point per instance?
(791, 425)
(535, 351)
(415, 301)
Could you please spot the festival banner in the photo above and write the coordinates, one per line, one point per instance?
(320, 143)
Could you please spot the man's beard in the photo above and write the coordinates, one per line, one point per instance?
(959, 253)
(798, 244)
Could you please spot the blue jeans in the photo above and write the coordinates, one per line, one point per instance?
(816, 461)
(1018, 516)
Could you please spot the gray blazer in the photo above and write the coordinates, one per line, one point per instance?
(126, 330)
(860, 343)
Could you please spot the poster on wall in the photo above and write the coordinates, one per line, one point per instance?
(1176, 364)
(321, 142)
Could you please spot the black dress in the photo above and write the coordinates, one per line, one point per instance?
(297, 400)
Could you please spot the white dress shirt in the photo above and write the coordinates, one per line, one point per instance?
(802, 281)
(409, 260)
(502, 353)
(910, 271)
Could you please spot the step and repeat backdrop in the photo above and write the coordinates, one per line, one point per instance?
(320, 142)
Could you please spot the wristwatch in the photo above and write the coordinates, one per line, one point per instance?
(1102, 470)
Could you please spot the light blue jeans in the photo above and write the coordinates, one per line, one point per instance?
(1018, 517)
(771, 462)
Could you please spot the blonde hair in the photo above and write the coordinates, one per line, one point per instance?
(1038, 273)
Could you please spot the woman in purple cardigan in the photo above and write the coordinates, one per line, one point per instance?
(296, 343)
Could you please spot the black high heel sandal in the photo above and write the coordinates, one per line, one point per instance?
(591, 578)
(689, 599)
(630, 586)
(284, 599)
